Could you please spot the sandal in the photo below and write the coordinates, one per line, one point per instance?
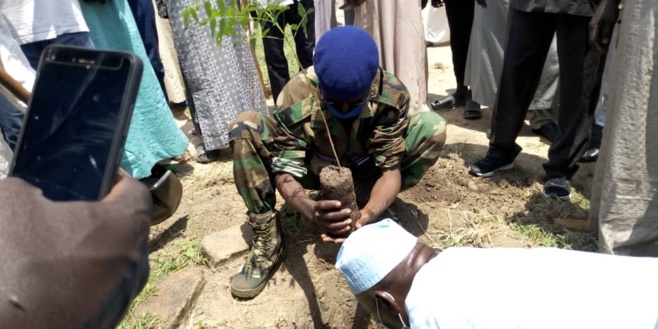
(472, 110)
(203, 156)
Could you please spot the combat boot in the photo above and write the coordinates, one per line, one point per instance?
(265, 254)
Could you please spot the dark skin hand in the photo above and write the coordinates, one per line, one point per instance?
(329, 215)
(602, 23)
(482, 3)
(383, 194)
(391, 292)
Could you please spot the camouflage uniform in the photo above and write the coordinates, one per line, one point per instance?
(295, 140)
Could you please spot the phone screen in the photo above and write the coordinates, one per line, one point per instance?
(70, 126)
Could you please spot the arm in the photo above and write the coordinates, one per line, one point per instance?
(383, 194)
(602, 23)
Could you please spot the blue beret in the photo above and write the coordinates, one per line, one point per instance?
(346, 61)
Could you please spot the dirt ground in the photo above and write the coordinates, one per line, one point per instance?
(447, 208)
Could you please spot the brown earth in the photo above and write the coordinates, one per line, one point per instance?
(336, 184)
(447, 208)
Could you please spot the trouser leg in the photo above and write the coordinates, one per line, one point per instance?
(579, 78)
(304, 42)
(275, 58)
(250, 138)
(460, 20)
(529, 38)
(424, 141)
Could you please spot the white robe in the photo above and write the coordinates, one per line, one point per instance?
(543, 288)
(624, 196)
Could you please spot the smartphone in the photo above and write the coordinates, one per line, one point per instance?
(77, 121)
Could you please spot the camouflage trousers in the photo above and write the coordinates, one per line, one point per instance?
(252, 136)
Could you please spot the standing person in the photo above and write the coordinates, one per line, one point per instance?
(367, 115)
(37, 24)
(144, 15)
(532, 28)
(624, 196)
(273, 45)
(460, 19)
(404, 283)
(153, 134)
(397, 27)
(485, 63)
(222, 80)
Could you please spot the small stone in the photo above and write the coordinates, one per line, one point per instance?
(176, 296)
(228, 244)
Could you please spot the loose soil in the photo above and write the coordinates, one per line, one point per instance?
(336, 184)
(447, 208)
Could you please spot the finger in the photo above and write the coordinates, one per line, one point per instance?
(338, 227)
(335, 216)
(127, 190)
(326, 205)
(329, 239)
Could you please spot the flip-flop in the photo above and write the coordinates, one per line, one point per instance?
(472, 110)
(202, 156)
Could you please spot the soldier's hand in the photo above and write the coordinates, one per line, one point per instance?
(331, 217)
(366, 216)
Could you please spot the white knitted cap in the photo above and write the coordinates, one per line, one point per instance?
(371, 252)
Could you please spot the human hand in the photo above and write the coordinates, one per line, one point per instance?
(366, 216)
(333, 220)
(602, 23)
(91, 256)
(482, 3)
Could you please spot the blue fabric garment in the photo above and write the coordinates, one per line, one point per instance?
(33, 50)
(11, 122)
(145, 18)
(153, 134)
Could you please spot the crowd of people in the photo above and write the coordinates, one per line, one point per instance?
(360, 102)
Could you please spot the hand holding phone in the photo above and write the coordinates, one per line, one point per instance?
(77, 121)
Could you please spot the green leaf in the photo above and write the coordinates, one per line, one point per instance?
(208, 7)
(213, 27)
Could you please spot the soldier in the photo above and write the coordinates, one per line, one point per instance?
(366, 113)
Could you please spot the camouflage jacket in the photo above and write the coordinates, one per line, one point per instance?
(376, 136)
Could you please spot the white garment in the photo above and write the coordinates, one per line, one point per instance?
(325, 17)
(5, 158)
(625, 191)
(437, 30)
(38, 20)
(542, 288)
(14, 62)
(397, 27)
